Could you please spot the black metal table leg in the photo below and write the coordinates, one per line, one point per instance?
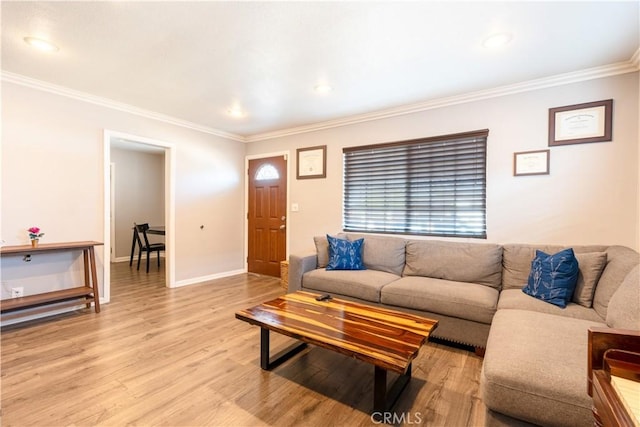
(383, 399)
(267, 362)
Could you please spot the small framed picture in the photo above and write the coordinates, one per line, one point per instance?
(312, 162)
(531, 163)
(581, 123)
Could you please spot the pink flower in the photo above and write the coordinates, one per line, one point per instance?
(34, 233)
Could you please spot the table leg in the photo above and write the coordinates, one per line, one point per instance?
(94, 280)
(85, 257)
(383, 399)
(267, 362)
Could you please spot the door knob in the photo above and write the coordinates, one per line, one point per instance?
(282, 227)
(283, 217)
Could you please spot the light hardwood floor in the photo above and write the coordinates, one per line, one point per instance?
(178, 357)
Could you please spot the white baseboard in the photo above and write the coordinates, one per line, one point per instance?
(201, 279)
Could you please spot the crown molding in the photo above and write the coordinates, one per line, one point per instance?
(632, 65)
(561, 79)
(108, 103)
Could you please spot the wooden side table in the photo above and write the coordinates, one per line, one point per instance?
(88, 292)
(610, 407)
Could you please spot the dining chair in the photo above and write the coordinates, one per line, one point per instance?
(145, 246)
(134, 243)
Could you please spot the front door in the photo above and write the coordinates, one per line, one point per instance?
(267, 215)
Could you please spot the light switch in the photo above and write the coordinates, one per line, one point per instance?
(295, 207)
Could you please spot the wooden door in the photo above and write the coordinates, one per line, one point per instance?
(267, 215)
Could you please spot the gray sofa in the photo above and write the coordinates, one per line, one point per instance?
(536, 353)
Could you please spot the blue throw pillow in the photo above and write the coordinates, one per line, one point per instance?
(553, 277)
(344, 254)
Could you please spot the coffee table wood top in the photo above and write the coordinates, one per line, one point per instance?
(386, 338)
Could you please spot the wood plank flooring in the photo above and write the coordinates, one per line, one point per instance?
(178, 357)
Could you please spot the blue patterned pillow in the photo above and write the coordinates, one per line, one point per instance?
(344, 254)
(553, 277)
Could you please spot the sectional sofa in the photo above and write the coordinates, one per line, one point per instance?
(534, 368)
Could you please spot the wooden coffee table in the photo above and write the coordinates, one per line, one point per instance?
(387, 339)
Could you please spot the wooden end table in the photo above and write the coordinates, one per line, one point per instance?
(387, 339)
(68, 297)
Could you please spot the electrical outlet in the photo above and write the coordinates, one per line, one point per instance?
(17, 292)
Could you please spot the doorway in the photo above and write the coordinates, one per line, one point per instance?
(133, 142)
(267, 234)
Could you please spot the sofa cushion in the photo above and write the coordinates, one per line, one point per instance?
(591, 265)
(459, 262)
(553, 277)
(458, 299)
(535, 368)
(620, 261)
(363, 284)
(624, 307)
(322, 248)
(516, 259)
(516, 299)
(345, 255)
(382, 253)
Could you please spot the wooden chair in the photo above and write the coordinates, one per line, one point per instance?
(134, 243)
(145, 246)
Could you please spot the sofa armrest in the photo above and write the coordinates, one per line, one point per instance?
(298, 265)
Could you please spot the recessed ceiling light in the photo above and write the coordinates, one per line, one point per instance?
(41, 44)
(323, 88)
(235, 112)
(497, 40)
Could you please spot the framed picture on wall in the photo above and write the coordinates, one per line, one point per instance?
(531, 163)
(311, 162)
(581, 123)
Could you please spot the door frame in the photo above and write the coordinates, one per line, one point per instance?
(287, 156)
(112, 209)
(169, 202)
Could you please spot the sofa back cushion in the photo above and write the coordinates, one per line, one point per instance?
(461, 262)
(516, 260)
(591, 266)
(382, 253)
(624, 306)
(620, 261)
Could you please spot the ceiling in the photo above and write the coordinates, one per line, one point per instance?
(193, 61)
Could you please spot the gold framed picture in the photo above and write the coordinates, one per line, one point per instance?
(581, 123)
(311, 162)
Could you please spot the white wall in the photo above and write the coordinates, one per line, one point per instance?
(52, 177)
(590, 196)
(52, 172)
(139, 195)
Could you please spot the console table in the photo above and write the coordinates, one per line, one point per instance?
(88, 293)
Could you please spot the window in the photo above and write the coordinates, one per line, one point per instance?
(267, 172)
(431, 186)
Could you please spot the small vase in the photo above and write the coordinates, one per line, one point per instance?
(34, 243)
